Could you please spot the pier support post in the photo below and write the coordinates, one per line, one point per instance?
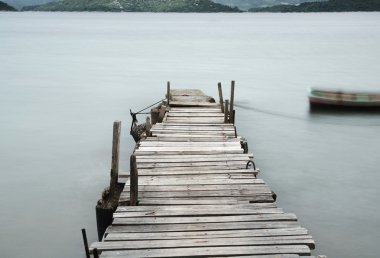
(148, 126)
(134, 182)
(226, 117)
(168, 92)
(232, 114)
(107, 205)
(115, 155)
(221, 97)
(96, 253)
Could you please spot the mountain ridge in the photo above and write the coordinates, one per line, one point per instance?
(6, 7)
(134, 6)
(326, 6)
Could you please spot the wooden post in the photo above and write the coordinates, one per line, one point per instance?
(168, 92)
(148, 126)
(134, 182)
(226, 111)
(115, 155)
(85, 243)
(162, 113)
(96, 253)
(232, 101)
(221, 96)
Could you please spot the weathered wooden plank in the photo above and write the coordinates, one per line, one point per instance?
(193, 138)
(205, 226)
(160, 152)
(195, 128)
(254, 198)
(192, 104)
(126, 218)
(235, 164)
(216, 157)
(204, 193)
(188, 180)
(160, 188)
(211, 251)
(198, 202)
(260, 207)
(207, 234)
(191, 171)
(149, 172)
(244, 241)
(192, 114)
(190, 144)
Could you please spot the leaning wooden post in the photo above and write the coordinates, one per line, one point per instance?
(168, 92)
(134, 182)
(221, 97)
(115, 155)
(148, 126)
(232, 119)
(226, 111)
(84, 235)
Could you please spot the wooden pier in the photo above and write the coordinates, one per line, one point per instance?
(195, 195)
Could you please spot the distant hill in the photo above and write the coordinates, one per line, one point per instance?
(134, 6)
(21, 3)
(249, 4)
(6, 7)
(328, 6)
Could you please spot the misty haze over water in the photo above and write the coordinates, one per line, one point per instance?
(65, 77)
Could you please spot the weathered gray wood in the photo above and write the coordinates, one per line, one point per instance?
(148, 126)
(207, 234)
(134, 181)
(215, 157)
(211, 251)
(226, 112)
(168, 92)
(200, 115)
(192, 104)
(260, 188)
(254, 207)
(244, 241)
(195, 125)
(115, 155)
(195, 197)
(221, 97)
(232, 119)
(161, 114)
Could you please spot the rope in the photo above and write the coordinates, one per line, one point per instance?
(299, 118)
(134, 115)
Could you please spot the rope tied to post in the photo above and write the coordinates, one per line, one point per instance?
(136, 129)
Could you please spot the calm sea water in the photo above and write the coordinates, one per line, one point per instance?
(65, 77)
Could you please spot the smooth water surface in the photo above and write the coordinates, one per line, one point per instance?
(65, 77)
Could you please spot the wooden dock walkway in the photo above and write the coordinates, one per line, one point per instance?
(196, 198)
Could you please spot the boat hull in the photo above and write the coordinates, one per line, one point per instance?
(343, 99)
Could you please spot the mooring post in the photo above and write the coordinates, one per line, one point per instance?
(226, 111)
(168, 92)
(162, 113)
(96, 254)
(134, 182)
(148, 126)
(221, 96)
(232, 118)
(115, 155)
(85, 243)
